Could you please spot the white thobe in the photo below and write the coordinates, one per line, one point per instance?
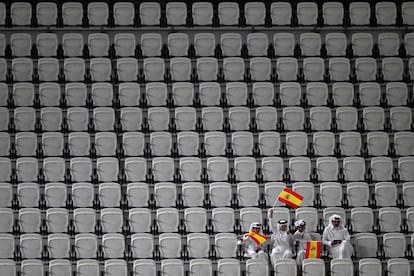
(252, 250)
(301, 238)
(338, 251)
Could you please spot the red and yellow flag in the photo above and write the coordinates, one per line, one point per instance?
(257, 237)
(313, 250)
(290, 198)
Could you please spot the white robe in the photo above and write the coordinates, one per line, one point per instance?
(338, 251)
(251, 249)
(282, 244)
(301, 238)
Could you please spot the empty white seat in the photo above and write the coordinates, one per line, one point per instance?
(359, 13)
(160, 143)
(46, 44)
(180, 69)
(158, 118)
(175, 267)
(339, 69)
(386, 13)
(98, 13)
(307, 13)
(231, 44)
(6, 195)
(327, 168)
(398, 267)
(8, 246)
(74, 69)
(263, 93)
(245, 168)
(293, 118)
(394, 245)
(313, 267)
(2, 13)
(388, 44)
(204, 44)
(109, 194)
(178, 44)
(57, 220)
(127, 69)
(48, 69)
(142, 245)
(377, 143)
(362, 220)
(72, 13)
(176, 13)
(350, 143)
(54, 169)
(217, 168)
(310, 44)
(60, 267)
(72, 44)
(81, 169)
(287, 68)
(156, 93)
(23, 94)
(272, 168)
(29, 220)
(124, 14)
(299, 168)
(260, 68)
(257, 44)
(281, 13)
(28, 194)
(167, 220)
(21, 13)
(4, 122)
(124, 43)
(401, 118)
(313, 69)
(404, 165)
(256, 267)
(366, 69)
(49, 94)
(333, 13)
(373, 118)
(403, 143)
(366, 245)
(336, 44)
(88, 267)
(239, 118)
(46, 13)
(346, 118)
(198, 245)
(75, 94)
(389, 219)
(100, 69)
(215, 143)
(51, 118)
(113, 245)
(323, 143)
(34, 267)
(255, 13)
(115, 267)
(228, 13)
(112, 220)
(296, 143)
(396, 93)
(242, 143)
(25, 143)
(290, 93)
(150, 13)
(107, 169)
(183, 93)
(154, 69)
(362, 44)
(385, 193)
(129, 94)
(392, 69)
(236, 93)
(22, 69)
(354, 168)
(98, 44)
(202, 13)
(284, 43)
(165, 194)
(103, 118)
(407, 10)
(343, 93)
(190, 168)
(55, 194)
(233, 68)
(83, 195)
(139, 218)
(151, 44)
(135, 169)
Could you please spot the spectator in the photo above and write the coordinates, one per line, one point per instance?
(300, 237)
(282, 240)
(336, 237)
(254, 242)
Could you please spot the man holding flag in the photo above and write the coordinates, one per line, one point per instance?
(301, 239)
(282, 240)
(253, 242)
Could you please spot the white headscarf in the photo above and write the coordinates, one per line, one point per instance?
(300, 222)
(280, 223)
(256, 224)
(336, 217)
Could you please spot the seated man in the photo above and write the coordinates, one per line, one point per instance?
(254, 242)
(282, 242)
(300, 237)
(336, 237)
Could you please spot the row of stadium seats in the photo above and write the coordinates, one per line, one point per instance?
(205, 14)
(171, 246)
(204, 45)
(228, 266)
(194, 220)
(238, 118)
(180, 69)
(215, 168)
(212, 143)
(206, 94)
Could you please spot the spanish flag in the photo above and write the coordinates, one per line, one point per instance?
(290, 198)
(257, 237)
(313, 250)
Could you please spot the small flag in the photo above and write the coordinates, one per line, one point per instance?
(313, 250)
(257, 237)
(290, 198)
